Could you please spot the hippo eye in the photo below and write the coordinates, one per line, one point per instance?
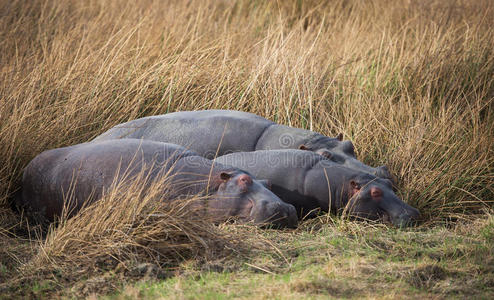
(337, 158)
(325, 153)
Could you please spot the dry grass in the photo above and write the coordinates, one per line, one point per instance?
(127, 231)
(129, 224)
(411, 83)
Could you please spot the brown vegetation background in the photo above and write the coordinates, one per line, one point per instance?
(409, 82)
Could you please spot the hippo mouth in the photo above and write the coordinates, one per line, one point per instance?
(250, 212)
(384, 216)
(398, 221)
(278, 218)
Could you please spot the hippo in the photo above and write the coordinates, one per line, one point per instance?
(214, 133)
(88, 170)
(311, 182)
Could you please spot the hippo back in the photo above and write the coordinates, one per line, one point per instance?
(86, 170)
(213, 133)
(205, 132)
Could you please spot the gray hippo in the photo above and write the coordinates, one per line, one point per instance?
(89, 169)
(310, 182)
(214, 133)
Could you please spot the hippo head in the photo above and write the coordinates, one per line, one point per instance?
(327, 146)
(373, 198)
(239, 194)
(355, 164)
(343, 153)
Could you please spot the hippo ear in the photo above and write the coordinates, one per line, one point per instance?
(355, 185)
(225, 176)
(340, 136)
(354, 188)
(303, 147)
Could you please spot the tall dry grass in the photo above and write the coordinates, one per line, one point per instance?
(128, 232)
(409, 82)
(128, 226)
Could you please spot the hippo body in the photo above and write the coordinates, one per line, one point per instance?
(213, 133)
(199, 131)
(88, 170)
(310, 182)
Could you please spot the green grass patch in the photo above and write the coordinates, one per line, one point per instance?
(346, 260)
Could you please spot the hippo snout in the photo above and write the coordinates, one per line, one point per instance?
(279, 214)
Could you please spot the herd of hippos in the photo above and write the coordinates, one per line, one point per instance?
(248, 167)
